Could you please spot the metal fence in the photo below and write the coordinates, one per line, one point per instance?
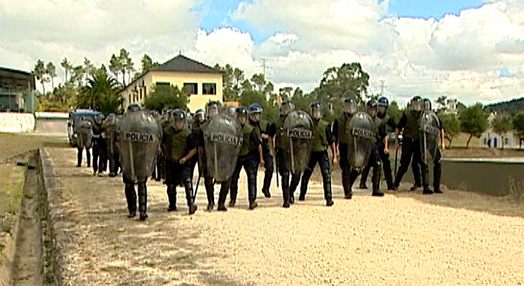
(17, 101)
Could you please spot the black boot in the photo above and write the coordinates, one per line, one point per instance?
(376, 181)
(295, 179)
(171, 196)
(131, 200)
(303, 185)
(285, 189)
(327, 190)
(364, 177)
(79, 157)
(348, 193)
(210, 193)
(268, 175)
(224, 189)
(189, 195)
(88, 154)
(142, 200)
(427, 190)
(353, 175)
(252, 190)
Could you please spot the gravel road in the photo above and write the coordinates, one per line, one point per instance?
(394, 240)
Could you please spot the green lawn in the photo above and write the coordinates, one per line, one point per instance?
(16, 144)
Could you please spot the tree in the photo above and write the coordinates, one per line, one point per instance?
(285, 92)
(518, 124)
(451, 126)
(238, 79)
(40, 73)
(51, 71)
(473, 121)
(394, 111)
(100, 93)
(114, 66)
(166, 97)
(67, 67)
(258, 81)
(347, 81)
(270, 110)
(124, 63)
(301, 100)
(89, 68)
(78, 75)
(147, 63)
(502, 125)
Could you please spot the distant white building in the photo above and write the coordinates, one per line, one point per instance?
(490, 139)
(451, 106)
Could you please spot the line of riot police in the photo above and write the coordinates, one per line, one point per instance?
(169, 147)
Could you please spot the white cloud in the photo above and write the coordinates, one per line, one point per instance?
(460, 56)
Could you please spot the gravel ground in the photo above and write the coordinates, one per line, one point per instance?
(394, 240)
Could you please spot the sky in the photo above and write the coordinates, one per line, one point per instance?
(467, 49)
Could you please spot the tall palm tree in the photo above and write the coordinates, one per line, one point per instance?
(40, 73)
(67, 67)
(51, 71)
(100, 93)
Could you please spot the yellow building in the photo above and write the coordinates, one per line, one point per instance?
(202, 83)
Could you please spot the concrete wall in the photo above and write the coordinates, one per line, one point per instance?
(17, 122)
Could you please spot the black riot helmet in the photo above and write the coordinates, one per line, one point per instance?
(200, 115)
(371, 106)
(350, 105)
(178, 118)
(426, 104)
(383, 104)
(242, 114)
(286, 107)
(416, 103)
(134, 107)
(315, 109)
(213, 108)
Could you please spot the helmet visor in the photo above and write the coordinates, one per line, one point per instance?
(212, 111)
(382, 109)
(242, 118)
(350, 107)
(416, 105)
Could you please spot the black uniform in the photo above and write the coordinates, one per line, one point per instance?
(386, 122)
(99, 149)
(265, 127)
(249, 158)
(323, 138)
(410, 122)
(339, 131)
(288, 190)
(176, 145)
(437, 167)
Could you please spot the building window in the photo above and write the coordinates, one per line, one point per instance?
(191, 88)
(506, 141)
(140, 93)
(163, 83)
(130, 99)
(209, 88)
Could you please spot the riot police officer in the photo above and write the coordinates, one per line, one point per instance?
(339, 131)
(213, 110)
(437, 166)
(263, 129)
(382, 145)
(139, 136)
(288, 189)
(251, 156)
(84, 140)
(99, 145)
(178, 148)
(410, 125)
(322, 139)
(110, 126)
(199, 119)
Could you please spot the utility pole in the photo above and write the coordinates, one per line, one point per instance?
(264, 66)
(382, 87)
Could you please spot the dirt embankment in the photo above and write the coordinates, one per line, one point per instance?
(401, 239)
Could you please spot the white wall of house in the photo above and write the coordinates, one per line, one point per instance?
(511, 140)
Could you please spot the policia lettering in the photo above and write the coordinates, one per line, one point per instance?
(322, 139)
